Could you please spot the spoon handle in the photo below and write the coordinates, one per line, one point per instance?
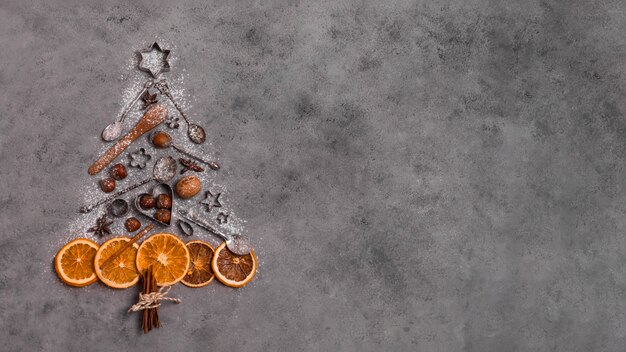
(88, 208)
(165, 89)
(212, 164)
(187, 217)
(152, 118)
(132, 103)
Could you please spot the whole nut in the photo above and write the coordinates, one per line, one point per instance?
(107, 185)
(147, 201)
(163, 215)
(132, 224)
(164, 201)
(118, 172)
(161, 139)
(188, 186)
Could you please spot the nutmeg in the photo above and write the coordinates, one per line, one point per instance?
(188, 186)
(147, 201)
(164, 201)
(107, 185)
(118, 172)
(132, 224)
(161, 139)
(163, 215)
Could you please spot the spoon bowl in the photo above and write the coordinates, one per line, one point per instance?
(239, 244)
(196, 133)
(165, 169)
(112, 131)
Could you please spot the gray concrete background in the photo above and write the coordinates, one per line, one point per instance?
(418, 175)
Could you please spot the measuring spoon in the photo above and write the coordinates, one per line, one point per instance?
(238, 244)
(114, 130)
(162, 140)
(164, 170)
(194, 132)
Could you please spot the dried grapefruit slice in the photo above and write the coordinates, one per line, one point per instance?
(200, 272)
(168, 256)
(121, 272)
(74, 262)
(231, 269)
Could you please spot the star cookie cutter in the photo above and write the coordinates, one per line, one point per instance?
(154, 60)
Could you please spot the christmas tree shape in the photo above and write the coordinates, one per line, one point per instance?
(155, 214)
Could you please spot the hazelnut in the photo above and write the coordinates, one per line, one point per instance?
(188, 186)
(107, 185)
(164, 201)
(161, 139)
(132, 224)
(118, 172)
(163, 215)
(147, 201)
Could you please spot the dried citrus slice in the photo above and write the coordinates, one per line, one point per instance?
(168, 256)
(121, 272)
(74, 262)
(231, 269)
(200, 272)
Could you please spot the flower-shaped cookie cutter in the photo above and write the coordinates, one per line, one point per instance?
(139, 158)
(172, 122)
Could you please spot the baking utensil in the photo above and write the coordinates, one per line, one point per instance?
(185, 228)
(154, 60)
(168, 142)
(164, 170)
(211, 201)
(118, 208)
(194, 132)
(139, 158)
(161, 188)
(152, 118)
(114, 130)
(238, 244)
(127, 245)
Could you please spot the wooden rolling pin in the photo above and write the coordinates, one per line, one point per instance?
(152, 118)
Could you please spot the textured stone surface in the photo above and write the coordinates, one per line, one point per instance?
(418, 175)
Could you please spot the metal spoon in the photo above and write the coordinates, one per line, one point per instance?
(238, 244)
(194, 132)
(164, 170)
(162, 140)
(114, 130)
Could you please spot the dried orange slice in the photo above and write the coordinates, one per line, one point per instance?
(168, 256)
(200, 272)
(74, 262)
(231, 269)
(121, 272)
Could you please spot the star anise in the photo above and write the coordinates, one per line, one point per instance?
(189, 165)
(102, 226)
(148, 99)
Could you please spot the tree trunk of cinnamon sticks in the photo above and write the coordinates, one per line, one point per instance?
(150, 315)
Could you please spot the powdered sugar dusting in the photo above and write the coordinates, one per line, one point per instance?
(211, 180)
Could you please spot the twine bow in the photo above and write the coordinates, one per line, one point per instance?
(153, 299)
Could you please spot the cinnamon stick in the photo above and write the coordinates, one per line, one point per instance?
(150, 315)
(146, 290)
(127, 245)
(154, 311)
